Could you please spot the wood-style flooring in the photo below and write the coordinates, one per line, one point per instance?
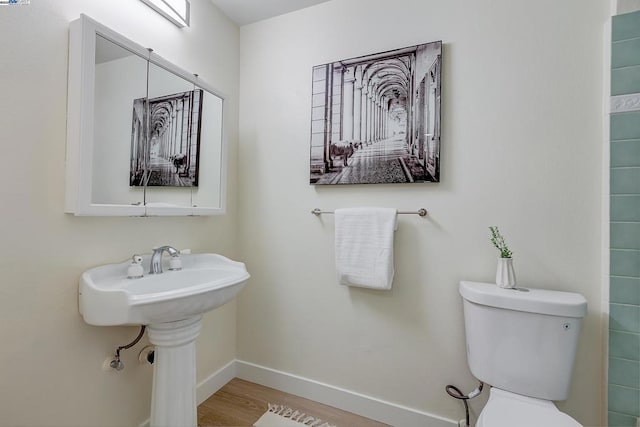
(241, 403)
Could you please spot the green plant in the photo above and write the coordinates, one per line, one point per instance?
(498, 242)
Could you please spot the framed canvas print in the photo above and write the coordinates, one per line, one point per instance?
(376, 118)
(169, 157)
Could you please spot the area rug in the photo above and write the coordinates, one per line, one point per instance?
(283, 416)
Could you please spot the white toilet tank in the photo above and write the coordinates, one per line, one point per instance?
(522, 340)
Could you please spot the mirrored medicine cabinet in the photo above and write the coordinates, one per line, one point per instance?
(144, 137)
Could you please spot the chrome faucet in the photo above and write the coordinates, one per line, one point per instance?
(156, 259)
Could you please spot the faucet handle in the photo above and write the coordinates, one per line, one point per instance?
(135, 268)
(175, 263)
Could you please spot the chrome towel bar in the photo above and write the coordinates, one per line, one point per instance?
(421, 212)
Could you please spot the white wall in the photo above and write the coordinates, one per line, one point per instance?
(627, 6)
(50, 361)
(522, 134)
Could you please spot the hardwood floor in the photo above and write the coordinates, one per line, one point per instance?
(241, 403)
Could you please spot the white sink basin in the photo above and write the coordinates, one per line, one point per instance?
(108, 298)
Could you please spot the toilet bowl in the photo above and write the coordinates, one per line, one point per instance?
(506, 409)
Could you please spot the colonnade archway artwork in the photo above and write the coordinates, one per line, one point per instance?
(376, 118)
(169, 156)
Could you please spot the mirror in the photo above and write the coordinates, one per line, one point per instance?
(145, 137)
(120, 77)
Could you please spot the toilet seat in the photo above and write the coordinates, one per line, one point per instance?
(506, 409)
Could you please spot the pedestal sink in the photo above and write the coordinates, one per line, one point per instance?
(171, 304)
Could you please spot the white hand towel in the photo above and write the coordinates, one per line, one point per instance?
(364, 246)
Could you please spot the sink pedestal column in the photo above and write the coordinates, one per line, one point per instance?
(173, 397)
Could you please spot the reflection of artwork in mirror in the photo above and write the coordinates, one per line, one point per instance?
(171, 157)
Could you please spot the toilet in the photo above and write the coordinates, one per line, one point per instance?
(523, 343)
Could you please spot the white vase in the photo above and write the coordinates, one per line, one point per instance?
(505, 275)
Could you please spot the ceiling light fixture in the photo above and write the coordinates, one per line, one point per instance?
(176, 11)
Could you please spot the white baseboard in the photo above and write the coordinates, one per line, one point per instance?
(366, 406)
(207, 387)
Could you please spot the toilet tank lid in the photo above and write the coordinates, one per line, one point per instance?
(542, 301)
